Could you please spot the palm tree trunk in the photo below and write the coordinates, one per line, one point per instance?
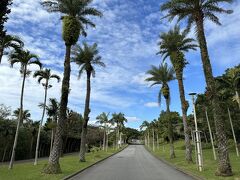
(4, 152)
(224, 166)
(40, 125)
(85, 119)
(234, 137)
(153, 139)
(170, 132)
(104, 139)
(184, 104)
(31, 145)
(19, 120)
(1, 54)
(51, 143)
(148, 139)
(53, 166)
(238, 99)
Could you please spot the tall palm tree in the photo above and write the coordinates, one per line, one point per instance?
(196, 12)
(7, 42)
(45, 75)
(103, 120)
(25, 58)
(86, 58)
(173, 44)
(75, 21)
(145, 124)
(52, 111)
(162, 75)
(26, 115)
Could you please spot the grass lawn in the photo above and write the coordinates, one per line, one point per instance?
(210, 165)
(69, 165)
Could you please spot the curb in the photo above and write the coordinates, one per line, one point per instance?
(174, 166)
(74, 174)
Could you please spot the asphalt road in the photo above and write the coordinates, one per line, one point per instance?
(133, 163)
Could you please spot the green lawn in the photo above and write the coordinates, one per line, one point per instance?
(69, 165)
(210, 165)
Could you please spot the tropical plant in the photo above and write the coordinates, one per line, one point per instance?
(74, 21)
(4, 11)
(232, 80)
(195, 12)
(25, 58)
(45, 75)
(145, 125)
(103, 120)
(52, 111)
(7, 42)
(174, 44)
(162, 75)
(118, 119)
(86, 58)
(26, 115)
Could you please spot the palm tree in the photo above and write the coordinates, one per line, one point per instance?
(103, 120)
(195, 12)
(173, 44)
(52, 111)
(86, 58)
(45, 75)
(26, 115)
(119, 120)
(25, 58)
(153, 126)
(74, 24)
(7, 42)
(145, 124)
(162, 75)
(232, 80)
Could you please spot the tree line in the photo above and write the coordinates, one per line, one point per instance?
(173, 45)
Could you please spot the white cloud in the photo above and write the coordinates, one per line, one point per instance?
(151, 104)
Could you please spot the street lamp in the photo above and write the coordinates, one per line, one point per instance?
(197, 135)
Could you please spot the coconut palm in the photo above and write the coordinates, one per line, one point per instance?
(195, 12)
(75, 21)
(7, 42)
(26, 115)
(145, 125)
(45, 75)
(25, 58)
(52, 111)
(173, 44)
(103, 120)
(86, 58)
(162, 75)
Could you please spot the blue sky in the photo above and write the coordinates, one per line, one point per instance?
(127, 36)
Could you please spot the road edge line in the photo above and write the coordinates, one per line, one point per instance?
(74, 174)
(174, 166)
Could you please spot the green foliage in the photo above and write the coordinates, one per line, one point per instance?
(71, 30)
(4, 11)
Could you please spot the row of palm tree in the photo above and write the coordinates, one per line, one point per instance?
(117, 120)
(75, 20)
(173, 45)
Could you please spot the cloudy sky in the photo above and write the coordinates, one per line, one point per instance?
(127, 37)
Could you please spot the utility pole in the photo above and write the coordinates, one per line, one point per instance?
(198, 137)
